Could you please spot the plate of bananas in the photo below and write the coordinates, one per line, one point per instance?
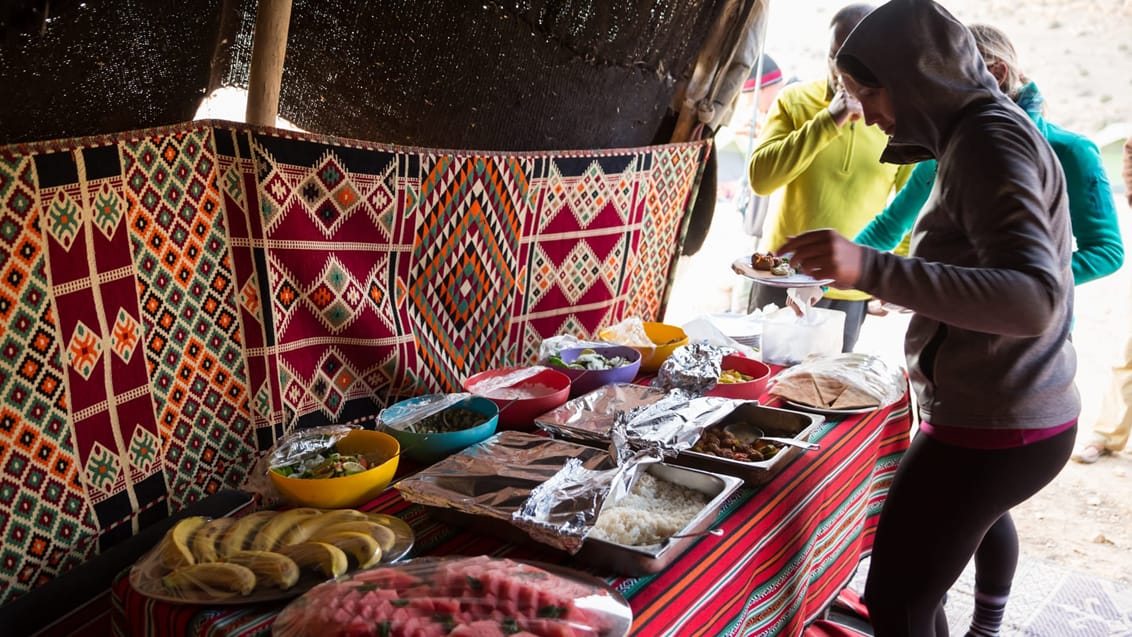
(266, 555)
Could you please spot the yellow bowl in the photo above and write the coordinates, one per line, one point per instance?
(348, 491)
(668, 337)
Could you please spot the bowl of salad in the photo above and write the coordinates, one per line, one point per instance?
(343, 473)
(433, 426)
(592, 367)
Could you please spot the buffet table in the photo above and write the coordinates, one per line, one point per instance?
(788, 548)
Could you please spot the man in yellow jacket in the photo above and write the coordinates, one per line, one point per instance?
(829, 163)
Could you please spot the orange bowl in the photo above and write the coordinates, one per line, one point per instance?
(348, 491)
(749, 390)
(668, 336)
(536, 391)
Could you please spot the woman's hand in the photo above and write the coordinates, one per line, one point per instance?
(844, 108)
(824, 254)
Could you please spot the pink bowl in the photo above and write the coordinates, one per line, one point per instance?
(749, 390)
(536, 391)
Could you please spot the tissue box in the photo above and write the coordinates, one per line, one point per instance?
(788, 338)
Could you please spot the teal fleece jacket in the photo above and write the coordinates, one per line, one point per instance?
(1092, 214)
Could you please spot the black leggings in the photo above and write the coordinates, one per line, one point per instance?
(942, 503)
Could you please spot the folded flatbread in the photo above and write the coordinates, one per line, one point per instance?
(819, 390)
(799, 388)
(829, 388)
(854, 398)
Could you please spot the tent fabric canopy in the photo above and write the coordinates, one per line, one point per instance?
(506, 75)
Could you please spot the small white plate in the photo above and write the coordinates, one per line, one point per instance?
(743, 266)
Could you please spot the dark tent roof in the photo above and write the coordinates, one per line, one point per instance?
(495, 74)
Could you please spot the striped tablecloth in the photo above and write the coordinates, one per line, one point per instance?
(789, 547)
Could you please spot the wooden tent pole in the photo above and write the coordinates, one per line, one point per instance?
(269, 47)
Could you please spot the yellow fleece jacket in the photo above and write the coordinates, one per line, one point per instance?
(832, 175)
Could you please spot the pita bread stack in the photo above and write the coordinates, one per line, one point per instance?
(825, 391)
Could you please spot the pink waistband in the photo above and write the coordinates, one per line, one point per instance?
(977, 438)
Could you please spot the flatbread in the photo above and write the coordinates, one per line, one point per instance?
(799, 388)
(829, 388)
(854, 398)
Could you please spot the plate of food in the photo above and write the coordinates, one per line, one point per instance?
(267, 555)
(839, 384)
(767, 269)
(458, 595)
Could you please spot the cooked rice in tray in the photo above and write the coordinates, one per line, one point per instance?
(653, 511)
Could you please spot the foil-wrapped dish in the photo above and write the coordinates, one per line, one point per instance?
(632, 519)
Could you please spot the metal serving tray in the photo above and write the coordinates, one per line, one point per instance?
(588, 420)
(635, 561)
(783, 423)
(619, 559)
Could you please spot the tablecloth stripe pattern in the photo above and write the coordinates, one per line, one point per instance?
(175, 300)
(789, 547)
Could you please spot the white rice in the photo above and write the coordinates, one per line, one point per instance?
(653, 511)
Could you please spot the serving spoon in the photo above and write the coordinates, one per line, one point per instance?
(747, 433)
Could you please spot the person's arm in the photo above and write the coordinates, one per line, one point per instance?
(1017, 284)
(787, 146)
(1100, 250)
(1128, 170)
(886, 230)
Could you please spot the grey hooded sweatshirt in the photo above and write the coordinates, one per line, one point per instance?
(988, 275)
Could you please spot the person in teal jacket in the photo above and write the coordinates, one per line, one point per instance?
(1100, 250)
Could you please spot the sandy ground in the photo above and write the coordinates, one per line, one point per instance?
(1080, 54)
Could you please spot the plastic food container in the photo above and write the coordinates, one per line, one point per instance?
(404, 420)
(749, 390)
(521, 393)
(583, 381)
(460, 596)
(345, 491)
(665, 336)
(789, 339)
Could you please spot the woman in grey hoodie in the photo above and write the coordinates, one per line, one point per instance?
(988, 277)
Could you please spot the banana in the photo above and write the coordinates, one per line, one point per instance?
(270, 534)
(378, 531)
(389, 540)
(362, 547)
(175, 550)
(218, 579)
(240, 534)
(325, 557)
(204, 541)
(272, 568)
(303, 531)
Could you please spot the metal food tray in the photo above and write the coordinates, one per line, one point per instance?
(620, 559)
(783, 423)
(574, 422)
(636, 561)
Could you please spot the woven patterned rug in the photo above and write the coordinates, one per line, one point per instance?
(173, 301)
(1047, 601)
